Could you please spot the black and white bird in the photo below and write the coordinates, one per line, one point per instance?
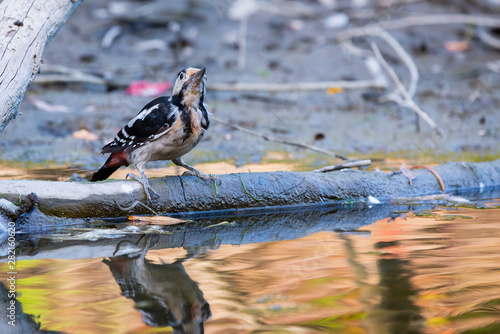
(165, 129)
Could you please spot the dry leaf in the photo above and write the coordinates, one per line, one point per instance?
(334, 90)
(457, 46)
(407, 172)
(85, 135)
(157, 220)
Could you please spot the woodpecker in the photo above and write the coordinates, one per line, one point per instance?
(165, 129)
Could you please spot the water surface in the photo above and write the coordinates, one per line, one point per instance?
(380, 269)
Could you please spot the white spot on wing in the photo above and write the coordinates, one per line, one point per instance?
(172, 108)
(142, 115)
(154, 137)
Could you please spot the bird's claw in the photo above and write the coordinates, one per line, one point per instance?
(207, 177)
(201, 175)
(216, 179)
(189, 173)
(145, 184)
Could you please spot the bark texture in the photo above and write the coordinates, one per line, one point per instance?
(246, 190)
(26, 26)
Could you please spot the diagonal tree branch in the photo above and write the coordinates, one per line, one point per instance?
(26, 26)
(281, 141)
(401, 95)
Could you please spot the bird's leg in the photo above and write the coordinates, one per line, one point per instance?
(180, 162)
(194, 171)
(144, 181)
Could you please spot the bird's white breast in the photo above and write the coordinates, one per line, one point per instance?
(174, 143)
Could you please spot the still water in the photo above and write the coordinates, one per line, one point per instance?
(381, 269)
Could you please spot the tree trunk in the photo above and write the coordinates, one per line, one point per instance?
(26, 26)
(246, 190)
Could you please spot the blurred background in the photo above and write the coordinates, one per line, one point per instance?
(409, 268)
(112, 57)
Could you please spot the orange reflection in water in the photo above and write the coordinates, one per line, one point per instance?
(410, 275)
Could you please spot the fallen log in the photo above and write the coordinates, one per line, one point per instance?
(243, 191)
(26, 26)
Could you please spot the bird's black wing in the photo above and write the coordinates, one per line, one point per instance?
(153, 121)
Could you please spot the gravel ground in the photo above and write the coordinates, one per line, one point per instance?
(456, 88)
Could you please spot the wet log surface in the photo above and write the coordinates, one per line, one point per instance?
(243, 191)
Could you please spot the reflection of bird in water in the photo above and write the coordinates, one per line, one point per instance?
(163, 293)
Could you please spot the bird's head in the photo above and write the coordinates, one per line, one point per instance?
(190, 86)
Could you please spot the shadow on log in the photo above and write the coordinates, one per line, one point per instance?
(247, 190)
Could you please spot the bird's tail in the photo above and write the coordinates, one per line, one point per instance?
(115, 161)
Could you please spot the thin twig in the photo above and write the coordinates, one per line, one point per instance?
(404, 98)
(406, 58)
(440, 180)
(296, 86)
(65, 74)
(281, 141)
(58, 73)
(418, 20)
(352, 164)
(348, 46)
(63, 78)
(110, 36)
(488, 38)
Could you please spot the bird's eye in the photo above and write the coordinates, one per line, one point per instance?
(181, 76)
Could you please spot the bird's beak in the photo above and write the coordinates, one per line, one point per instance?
(192, 89)
(195, 80)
